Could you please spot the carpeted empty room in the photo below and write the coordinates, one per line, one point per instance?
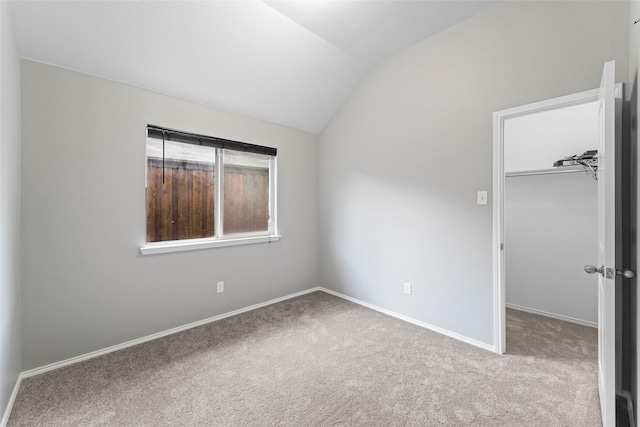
(319, 213)
(319, 360)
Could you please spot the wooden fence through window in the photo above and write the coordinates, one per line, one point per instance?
(183, 207)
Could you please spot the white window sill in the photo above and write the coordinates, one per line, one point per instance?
(195, 244)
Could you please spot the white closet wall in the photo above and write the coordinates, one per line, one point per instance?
(551, 219)
(550, 223)
(535, 141)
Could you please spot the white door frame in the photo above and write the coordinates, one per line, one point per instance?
(499, 117)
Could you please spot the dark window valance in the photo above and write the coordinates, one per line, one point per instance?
(209, 141)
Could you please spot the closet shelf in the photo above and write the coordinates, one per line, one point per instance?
(552, 171)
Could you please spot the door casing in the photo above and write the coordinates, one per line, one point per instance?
(499, 118)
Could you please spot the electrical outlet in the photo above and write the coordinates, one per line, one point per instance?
(407, 288)
(220, 287)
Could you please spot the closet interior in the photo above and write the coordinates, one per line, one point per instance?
(550, 212)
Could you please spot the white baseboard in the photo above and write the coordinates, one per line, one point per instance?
(450, 334)
(12, 399)
(87, 356)
(97, 353)
(552, 315)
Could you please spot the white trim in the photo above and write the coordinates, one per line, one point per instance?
(97, 353)
(499, 322)
(87, 356)
(273, 195)
(499, 117)
(218, 211)
(12, 399)
(552, 315)
(411, 320)
(195, 244)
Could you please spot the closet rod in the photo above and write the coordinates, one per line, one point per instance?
(542, 172)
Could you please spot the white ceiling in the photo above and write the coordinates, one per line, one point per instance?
(286, 62)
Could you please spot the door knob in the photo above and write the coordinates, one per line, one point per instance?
(592, 269)
(609, 272)
(626, 273)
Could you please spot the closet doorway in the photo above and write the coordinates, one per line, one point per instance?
(545, 216)
(609, 196)
(550, 213)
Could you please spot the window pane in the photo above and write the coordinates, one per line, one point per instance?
(246, 192)
(183, 206)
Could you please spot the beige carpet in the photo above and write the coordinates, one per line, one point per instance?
(318, 360)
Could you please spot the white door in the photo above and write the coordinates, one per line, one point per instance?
(606, 266)
(606, 246)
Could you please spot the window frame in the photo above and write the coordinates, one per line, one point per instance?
(220, 239)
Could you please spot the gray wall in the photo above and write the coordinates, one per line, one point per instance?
(549, 223)
(10, 365)
(401, 162)
(84, 284)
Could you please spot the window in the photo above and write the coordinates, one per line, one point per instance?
(203, 191)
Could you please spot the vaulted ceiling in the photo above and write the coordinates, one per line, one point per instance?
(286, 62)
